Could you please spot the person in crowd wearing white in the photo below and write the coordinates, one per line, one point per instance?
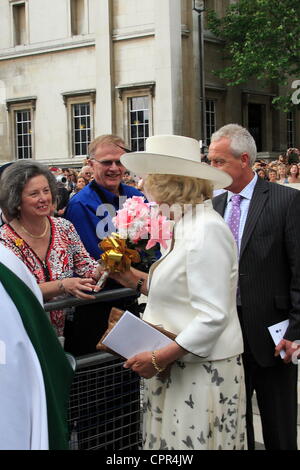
(35, 375)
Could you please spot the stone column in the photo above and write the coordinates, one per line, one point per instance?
(3, 124)
(168, 67)
(104, 68)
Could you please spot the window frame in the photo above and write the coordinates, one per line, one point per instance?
(85, 27)
(126, 93)
(129, 113)
(15, 3)
(16, 105)
(75, 129)
(73, 98)
(291, 119)
(208, 123)
(24, 123)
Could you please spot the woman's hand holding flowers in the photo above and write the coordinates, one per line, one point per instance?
(140, 227)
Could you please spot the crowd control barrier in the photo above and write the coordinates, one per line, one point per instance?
(104, 406)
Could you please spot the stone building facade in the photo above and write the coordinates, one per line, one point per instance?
(74, 69)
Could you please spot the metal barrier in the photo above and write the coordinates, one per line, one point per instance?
(103, 296)
(104, 406)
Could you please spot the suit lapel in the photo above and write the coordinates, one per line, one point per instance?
(258, 200)
(219, 203)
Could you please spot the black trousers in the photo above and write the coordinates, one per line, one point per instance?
(276, 392)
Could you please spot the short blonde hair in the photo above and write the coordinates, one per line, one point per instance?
(104, 139)
(176, 189)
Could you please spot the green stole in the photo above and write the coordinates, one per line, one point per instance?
(56, 369)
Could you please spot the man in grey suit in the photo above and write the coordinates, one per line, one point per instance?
(267, 230)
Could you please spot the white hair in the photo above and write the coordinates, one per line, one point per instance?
(241, 141)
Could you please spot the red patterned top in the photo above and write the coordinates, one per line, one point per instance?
(66, 256)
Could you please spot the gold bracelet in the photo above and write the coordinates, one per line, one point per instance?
(61, 287)
(154, 363)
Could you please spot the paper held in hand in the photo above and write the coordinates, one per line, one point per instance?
(131, 336)
(277, 332)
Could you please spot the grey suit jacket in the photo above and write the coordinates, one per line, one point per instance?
(269, 267)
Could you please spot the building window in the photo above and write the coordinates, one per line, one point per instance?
(81, 119)
(21, 113)
(19, 24)
(23, 133)
(138, 122)
(210, 119)
(137, 103)
(290, 121)
(77, 13)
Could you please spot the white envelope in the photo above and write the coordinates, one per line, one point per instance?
(277, 332)
(131, 336)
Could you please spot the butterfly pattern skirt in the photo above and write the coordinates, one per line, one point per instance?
(200, 406)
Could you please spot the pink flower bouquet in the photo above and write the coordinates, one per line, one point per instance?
(140, 227)
(139, 221)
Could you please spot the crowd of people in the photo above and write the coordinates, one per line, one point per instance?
(218, 286)
(284, 170)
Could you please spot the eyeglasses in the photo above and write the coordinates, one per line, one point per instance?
(108, 163)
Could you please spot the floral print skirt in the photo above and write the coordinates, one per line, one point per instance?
(199, 406)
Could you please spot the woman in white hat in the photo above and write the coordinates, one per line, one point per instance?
(195, 396)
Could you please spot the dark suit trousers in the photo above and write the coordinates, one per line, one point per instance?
(276, 392)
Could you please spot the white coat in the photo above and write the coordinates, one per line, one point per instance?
(192, 288)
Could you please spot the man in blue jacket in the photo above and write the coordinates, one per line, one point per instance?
(87, 210)
(91, 211)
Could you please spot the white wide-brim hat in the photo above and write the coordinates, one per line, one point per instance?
(174, 155)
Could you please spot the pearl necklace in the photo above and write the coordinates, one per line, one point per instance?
(36, 236)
